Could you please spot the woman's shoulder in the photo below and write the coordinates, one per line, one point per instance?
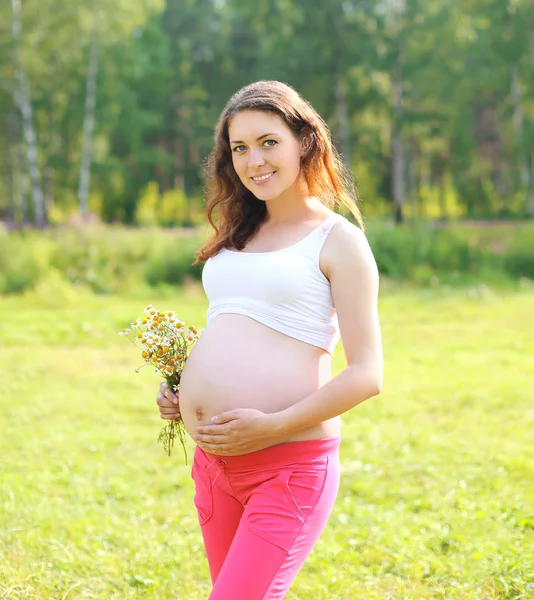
(343, 232)
(346, 248)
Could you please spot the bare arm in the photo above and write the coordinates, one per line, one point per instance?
(354, 282)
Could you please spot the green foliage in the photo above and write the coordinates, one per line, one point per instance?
(515, 247)
(167, 68)
(104, 259)
(172, 262)
(147, 208)
(519, 261)
(422, 250)
(169, 209)
(19, 261)
(107, 259)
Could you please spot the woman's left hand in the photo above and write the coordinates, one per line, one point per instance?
(238, 431)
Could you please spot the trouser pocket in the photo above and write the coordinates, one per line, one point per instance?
(278, 508)
(303, 486)
(203, 498)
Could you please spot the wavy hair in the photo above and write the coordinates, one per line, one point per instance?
(239, 212)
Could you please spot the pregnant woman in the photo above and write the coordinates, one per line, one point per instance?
(286, 277)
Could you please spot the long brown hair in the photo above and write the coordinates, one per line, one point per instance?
(240, 213)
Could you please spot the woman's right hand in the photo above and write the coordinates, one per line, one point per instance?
(168, 402)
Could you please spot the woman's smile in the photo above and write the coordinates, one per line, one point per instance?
(261, 179)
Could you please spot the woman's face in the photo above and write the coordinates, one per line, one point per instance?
(265, 153)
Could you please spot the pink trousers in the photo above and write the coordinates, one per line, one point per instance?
(262, 513)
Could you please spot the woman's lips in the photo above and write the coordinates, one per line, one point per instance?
(265, 180)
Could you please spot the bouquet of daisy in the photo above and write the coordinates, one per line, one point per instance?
(165, 343)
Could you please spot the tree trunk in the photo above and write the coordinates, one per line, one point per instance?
(530, 208)
(21, 184)
(11, 164)
(397, 147)
(23, 101)
(89, 122)
(412, 175)
(520, 136)
(10, 172)
(187, 184)
(344, 120)
(395, 16)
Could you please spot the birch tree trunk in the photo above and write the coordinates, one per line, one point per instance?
(21, 183)
(11, 164)
(10, 187)
(23, 101)
(89, 121)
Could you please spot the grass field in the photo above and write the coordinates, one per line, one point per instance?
(436, 497)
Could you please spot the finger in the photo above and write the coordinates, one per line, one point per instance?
(170, 396)
(162, 401)
(210, 439)
(224, 417)
(170, 417)
(212, 429)
(167, 392)
(172, 410)
(165, 401)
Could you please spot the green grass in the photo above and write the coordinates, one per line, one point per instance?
(436, 497)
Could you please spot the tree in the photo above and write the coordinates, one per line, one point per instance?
(23, 101)
(89, 118)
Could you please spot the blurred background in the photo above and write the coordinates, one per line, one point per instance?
(108, 109)
(107, 112)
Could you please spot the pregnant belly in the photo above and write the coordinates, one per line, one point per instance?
(241, 363)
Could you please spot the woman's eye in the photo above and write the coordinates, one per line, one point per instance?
(238, 148)
(271, 143)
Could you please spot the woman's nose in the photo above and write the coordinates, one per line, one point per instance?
(255, 159)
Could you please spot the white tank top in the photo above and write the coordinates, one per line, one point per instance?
(283, 289)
